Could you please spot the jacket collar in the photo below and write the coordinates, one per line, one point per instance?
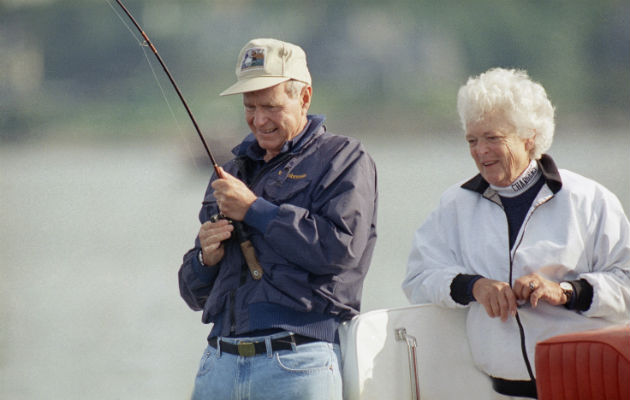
(546, 164)
(313, 125)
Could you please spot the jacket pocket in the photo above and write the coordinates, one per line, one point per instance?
(292, 190)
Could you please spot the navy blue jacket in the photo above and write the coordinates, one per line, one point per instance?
(313, 229)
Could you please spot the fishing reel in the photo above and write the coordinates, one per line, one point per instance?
(246, 245)
(219, 216)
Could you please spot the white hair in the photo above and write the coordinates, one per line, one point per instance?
(510, 92)
(294, 88)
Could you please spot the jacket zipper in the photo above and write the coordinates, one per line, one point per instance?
(232, 313)
(243, 276)
(521, 329)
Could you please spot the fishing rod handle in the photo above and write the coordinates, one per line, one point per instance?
(247, 248)
(250, 258)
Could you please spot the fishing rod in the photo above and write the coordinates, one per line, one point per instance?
(179, 93)
(246, 245)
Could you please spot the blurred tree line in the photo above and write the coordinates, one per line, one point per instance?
(73, 68)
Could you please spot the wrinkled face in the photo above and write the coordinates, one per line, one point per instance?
(275, 117)
(500, 154)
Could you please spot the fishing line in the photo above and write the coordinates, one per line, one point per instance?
(168, 103)
(143, 45)
(172, 80)
(247, 248)
(140, 42)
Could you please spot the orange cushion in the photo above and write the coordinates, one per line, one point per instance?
(585, 365)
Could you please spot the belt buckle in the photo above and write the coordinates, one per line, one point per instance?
(246, 349)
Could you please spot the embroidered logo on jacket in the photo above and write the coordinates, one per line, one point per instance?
(293, 176)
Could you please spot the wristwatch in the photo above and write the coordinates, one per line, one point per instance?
(567, 289)
(200, 257)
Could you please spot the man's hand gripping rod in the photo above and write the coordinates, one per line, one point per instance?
(246, 245)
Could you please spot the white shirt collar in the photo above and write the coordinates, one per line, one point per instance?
(526, 180)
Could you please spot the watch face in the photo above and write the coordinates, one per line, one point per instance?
(566, 286)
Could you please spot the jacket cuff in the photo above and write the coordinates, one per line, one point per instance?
(205, 273)
(461, 288)
(260, 214)
(582, 295)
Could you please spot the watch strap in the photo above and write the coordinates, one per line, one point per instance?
(570, 293)
(582, 295)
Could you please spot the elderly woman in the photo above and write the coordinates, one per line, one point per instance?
(532, 250)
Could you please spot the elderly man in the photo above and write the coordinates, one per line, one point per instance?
(306, 199)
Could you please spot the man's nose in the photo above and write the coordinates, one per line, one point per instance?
(260, 118)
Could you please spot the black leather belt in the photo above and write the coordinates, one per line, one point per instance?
(514, 388)
(249, 349)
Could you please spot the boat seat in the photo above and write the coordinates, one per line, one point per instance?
(585, 365)
(413, 352)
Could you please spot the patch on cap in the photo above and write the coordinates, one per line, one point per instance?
(263, 63)
(253, 58)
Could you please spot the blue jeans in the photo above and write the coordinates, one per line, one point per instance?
(311, 371)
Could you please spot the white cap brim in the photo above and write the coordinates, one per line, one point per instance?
(254, 84)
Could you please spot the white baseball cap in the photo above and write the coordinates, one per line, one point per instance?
(264, 63)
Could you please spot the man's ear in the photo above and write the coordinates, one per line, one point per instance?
(305, 97)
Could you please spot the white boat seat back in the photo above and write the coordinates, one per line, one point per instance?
(376, 365)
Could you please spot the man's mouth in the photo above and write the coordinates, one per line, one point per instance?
(267, 131)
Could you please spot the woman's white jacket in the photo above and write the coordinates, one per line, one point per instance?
(575, 229)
